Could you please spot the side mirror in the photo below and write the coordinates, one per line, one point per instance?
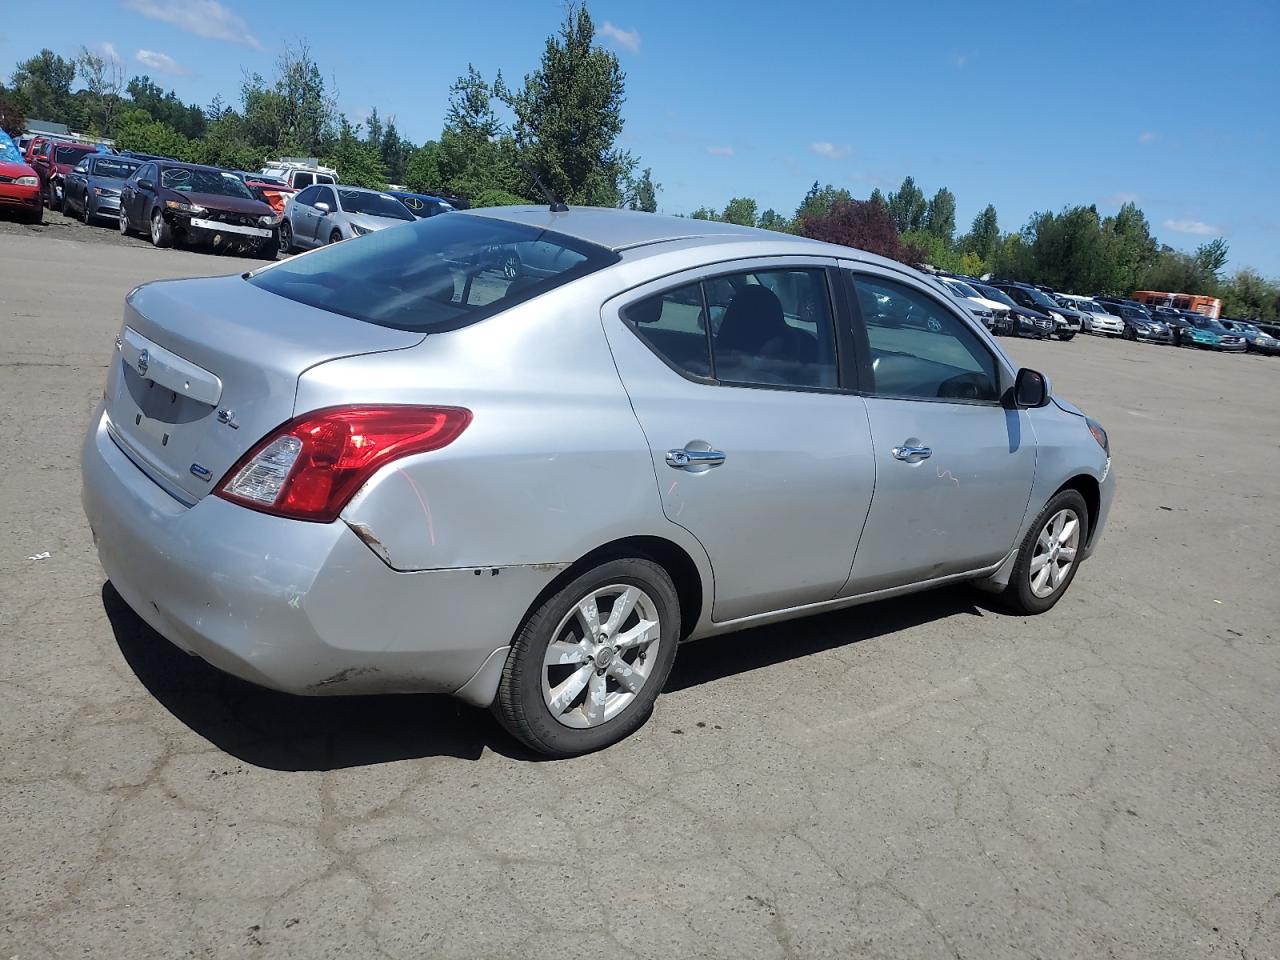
(1030, 389)
(147, 184)
(321, 206)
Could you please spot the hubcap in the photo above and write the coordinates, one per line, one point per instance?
(155, 228)
(1055, 552)
(601, 655)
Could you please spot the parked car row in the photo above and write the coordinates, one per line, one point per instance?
(287, 205)
(1012, 308)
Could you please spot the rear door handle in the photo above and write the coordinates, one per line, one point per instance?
(912, 454)
(682, 459)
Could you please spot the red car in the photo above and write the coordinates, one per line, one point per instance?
(20, 191)
(271, 190)
(52, 161)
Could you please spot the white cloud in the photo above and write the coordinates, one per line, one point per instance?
(623, 38)
(1193, 227)
(108, 51)
(717, 151)
(1121, 198)
(160, 62)
(1147, 136)
(204, 18)
(825, 148)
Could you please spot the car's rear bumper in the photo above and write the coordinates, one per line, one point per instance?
(306, 608)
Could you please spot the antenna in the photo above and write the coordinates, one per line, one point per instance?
(556, 205)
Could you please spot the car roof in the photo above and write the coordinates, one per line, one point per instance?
(620, 230)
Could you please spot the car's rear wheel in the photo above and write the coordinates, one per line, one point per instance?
(1049, 555)
(161, 232)
(335, 237)
(588, 664)
(286, 236)
(51, 195)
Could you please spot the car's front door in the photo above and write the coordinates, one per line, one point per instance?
(323, 227)
(757, 449)
(302, 217)
(954, 466)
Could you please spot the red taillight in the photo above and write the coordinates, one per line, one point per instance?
(310, 467)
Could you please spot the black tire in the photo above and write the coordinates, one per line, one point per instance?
(1019, 597)
(1128, 334)
(269, 250)
(50, 194)
(1067, 335)
(161, 232)
(335, 236)
(286, 236)
(519, 705)
(85, 216)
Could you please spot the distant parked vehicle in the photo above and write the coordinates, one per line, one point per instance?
(1024, 322)
(298, 174)
(189, 203)
(1267, 341)
(92, 188)
(1208, 334)
(324, 214)
(56, 159)
(993, 314)
(1065, 323)
(19, 187)
(1096, 319)
(1139, 324)
(422, 204)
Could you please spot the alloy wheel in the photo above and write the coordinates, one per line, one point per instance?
(155, 228)
(1055, 552)
(601, 655)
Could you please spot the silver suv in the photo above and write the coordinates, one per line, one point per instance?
(390, 466)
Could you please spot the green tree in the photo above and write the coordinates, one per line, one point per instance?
(1068, 250)
(908, 206)
(1211, 257)
(643, 193)
(13, 112)
(135, 130)
(395, 151)
(306, 110)
(819, 200)
(1129, 250)
(357, 161)
(772, 220)
(940, 215)
(878, 197)
(983, 236)
(1248, 295)
(569, 115)
(704, 213)
(45, 81)
(422, 174)
(740, 210)
(103, 80)
(1011, 257)
(498, 198)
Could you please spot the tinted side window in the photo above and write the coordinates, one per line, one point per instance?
(674, 327)
(301, 180)
(325, 195)
(919, 349)
(772, 327)
(308, 196)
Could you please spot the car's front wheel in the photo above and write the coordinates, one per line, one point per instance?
(124, 222)
(286, 236)
(588, 664)
(161, 232)
(1049, 555)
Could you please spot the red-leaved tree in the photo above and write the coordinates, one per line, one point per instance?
(864, 224)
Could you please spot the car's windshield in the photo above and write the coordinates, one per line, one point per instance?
(373, 204)
(71, 154)
(217, 182)
(1042, 298)
(962, 288)
(114, 169)
(991, 293)
(441, 273)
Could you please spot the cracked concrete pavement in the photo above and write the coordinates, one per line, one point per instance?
(917, 778)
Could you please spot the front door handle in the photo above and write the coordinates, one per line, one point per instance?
(912, 453)
(683, 459)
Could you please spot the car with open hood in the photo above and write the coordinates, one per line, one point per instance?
(194, 204)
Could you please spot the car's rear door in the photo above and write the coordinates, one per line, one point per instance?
(954, 467)
(302, 217)
(758, 448)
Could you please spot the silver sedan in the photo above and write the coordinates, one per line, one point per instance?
(324, 213)
(401, 464)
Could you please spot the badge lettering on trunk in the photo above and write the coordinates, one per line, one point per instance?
(203, 473)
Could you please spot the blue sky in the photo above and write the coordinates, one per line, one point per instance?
(1029, 106)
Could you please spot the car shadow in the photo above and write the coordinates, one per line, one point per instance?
(280, 731)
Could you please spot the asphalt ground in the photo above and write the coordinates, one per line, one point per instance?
(924, 777)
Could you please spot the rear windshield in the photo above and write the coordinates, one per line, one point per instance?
(440, 273)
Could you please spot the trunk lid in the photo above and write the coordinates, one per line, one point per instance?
(205, 368)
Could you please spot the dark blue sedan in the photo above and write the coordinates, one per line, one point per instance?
(92, 188)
